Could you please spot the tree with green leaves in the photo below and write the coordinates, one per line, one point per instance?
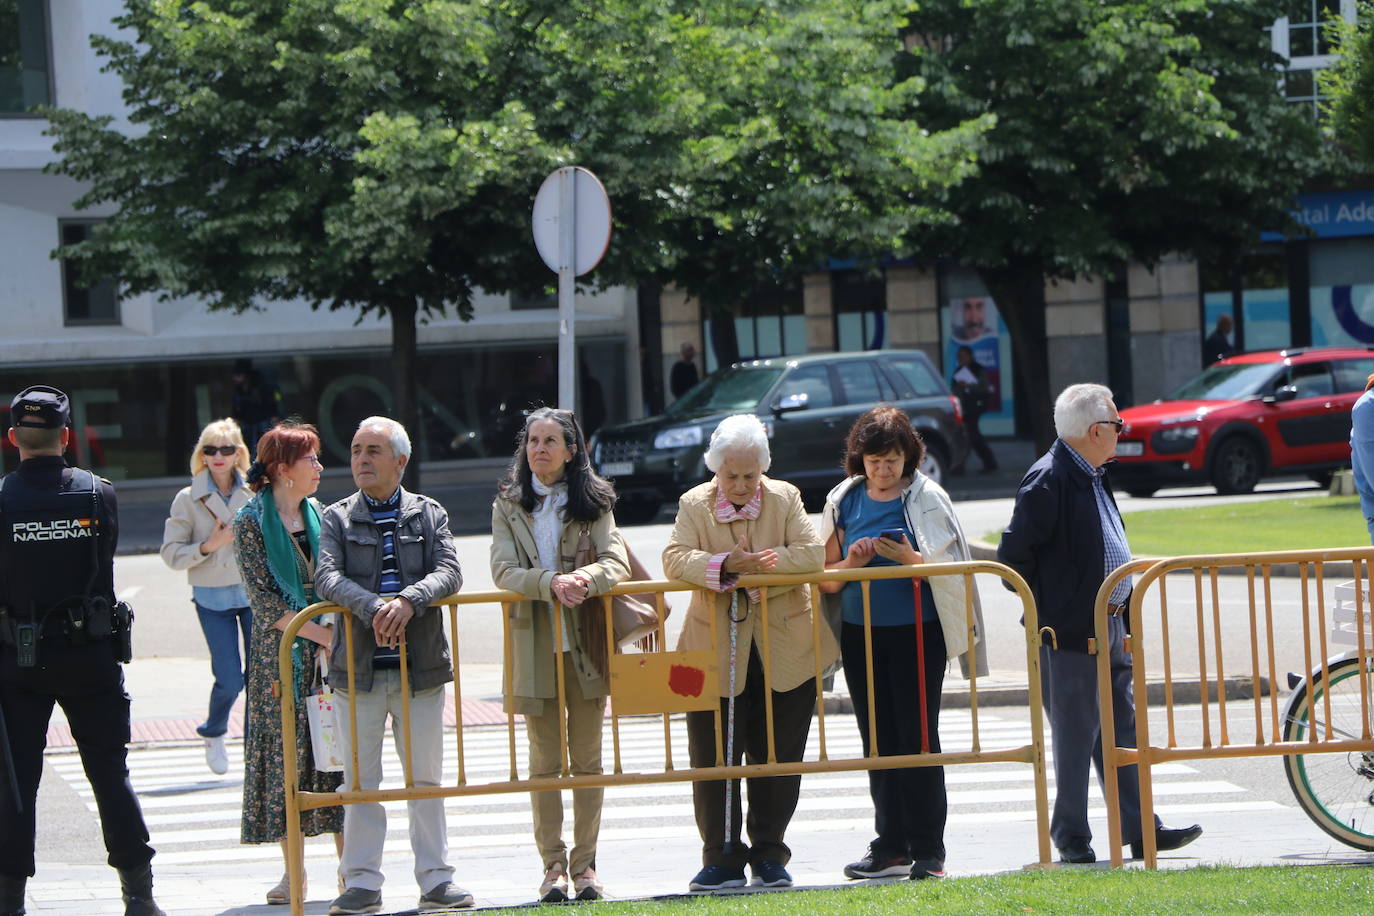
(1125, 129)
(1349, 85)
(383, 155)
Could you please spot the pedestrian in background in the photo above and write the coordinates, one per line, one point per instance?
(911, 640)
(684, 374)
(63, 635)
(198, 537)
(276, 539)
(974, 393)
(1218, 343)
(1065, 537)
(549, 499)
(742, 522)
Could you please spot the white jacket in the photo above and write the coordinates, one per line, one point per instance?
(194, 512)
(930, 514)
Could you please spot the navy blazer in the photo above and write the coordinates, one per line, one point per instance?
(1054, 540)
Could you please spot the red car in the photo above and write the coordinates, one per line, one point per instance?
(1273, 412)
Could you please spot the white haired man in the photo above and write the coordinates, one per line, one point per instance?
(1064, 538)
(386, 555)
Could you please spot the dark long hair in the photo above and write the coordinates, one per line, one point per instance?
(589, 495)
(880, 430)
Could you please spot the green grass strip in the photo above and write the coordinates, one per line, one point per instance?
(1096, 890)
(1313, 522)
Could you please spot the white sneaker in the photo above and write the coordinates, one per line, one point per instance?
(216, 755)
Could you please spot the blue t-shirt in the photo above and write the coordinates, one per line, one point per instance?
(891, 601)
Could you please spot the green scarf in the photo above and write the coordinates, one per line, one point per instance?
(281, 553)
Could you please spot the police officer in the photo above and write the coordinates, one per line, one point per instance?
(62, 637)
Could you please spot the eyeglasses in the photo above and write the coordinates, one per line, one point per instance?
(225, 450)
(311, 459)
(1119, 424)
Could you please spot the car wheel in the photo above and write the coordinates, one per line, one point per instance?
(636, 511)
(935, 463)
(1236, 467)
(1141, 492)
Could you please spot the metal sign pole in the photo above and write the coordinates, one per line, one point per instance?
(567, 259)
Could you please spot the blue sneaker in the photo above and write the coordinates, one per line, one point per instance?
(717, 877)
(771, 874)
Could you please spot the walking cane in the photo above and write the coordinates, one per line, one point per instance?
(728, 847)
(10, 774)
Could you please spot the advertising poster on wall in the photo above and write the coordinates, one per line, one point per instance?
(974, 322)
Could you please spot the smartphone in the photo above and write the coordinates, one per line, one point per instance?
(894, 534)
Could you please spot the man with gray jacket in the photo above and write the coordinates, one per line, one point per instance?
(386, 555)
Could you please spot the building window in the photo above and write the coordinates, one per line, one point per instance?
(859, 302)
(1301, 39)
(771, 322)
(24, 77)
(526, 301)
(98, 304)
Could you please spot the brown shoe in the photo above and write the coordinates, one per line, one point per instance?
(554, 888)
(586, 886)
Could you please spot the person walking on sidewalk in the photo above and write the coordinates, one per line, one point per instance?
(884, 496)
(386, 556)
(199, 538)
(1064, 538)
(63, 636)
(549, 500)
(974, 393)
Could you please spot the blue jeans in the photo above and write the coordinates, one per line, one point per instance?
(222, 629)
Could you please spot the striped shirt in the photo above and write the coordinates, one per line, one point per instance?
(1115, 550)
(385, 514)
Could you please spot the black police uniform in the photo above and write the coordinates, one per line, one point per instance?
(49, 514)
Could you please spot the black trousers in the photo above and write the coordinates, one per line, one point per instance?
(977, 443)
(909, 804)
(88, 684)
(772, 799)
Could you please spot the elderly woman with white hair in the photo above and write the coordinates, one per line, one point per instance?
(738, 523)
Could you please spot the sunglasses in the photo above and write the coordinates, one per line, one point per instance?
(225, 450)
(1119, 424)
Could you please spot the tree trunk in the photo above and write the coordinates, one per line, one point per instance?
(1019, 291)
(404, 402)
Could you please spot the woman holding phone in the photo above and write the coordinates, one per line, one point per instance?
(889, 514)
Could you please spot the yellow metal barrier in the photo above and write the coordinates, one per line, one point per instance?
(639, 686)
(1269, 735)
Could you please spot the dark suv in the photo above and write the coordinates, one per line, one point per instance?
(1246, 417)
(807, 403)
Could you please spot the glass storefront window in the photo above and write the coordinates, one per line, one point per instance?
(859, 303)
(1341, 278)
(771, 323)
(140, 421)
(1261, 280)
(24, 77)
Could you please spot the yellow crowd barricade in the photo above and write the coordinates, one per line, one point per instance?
(1242, 726)
(666, 683)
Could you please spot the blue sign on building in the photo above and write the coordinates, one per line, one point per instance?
(1333, 214)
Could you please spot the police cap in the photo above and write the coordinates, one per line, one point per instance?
(40, 407)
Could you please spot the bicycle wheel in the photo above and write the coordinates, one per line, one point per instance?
(1336, 789)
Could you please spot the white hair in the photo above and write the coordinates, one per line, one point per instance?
(739, 433)
(400, 439)
(1078, 407)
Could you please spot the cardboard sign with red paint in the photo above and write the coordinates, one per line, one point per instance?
(659, 682)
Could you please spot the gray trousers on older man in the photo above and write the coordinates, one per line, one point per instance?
(365, 824)
(1068, 681)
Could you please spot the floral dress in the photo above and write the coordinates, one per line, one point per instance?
(264, 799)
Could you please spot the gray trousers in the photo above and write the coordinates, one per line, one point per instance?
(1068, 681)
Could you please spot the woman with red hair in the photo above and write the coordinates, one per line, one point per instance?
(277, 539)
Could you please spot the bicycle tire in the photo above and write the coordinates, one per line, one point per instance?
(1334, 789)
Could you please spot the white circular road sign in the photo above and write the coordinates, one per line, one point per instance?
(591, 219)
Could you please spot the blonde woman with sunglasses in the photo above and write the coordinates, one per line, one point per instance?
(199, 538)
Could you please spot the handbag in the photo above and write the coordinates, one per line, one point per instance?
(324, 729)
(633, 617)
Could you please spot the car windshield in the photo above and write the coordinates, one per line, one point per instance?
(1228, 382)
(736, 388)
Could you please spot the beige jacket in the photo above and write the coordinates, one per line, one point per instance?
(783, 526)
(940, 539)
(194, 512)
(515, 566)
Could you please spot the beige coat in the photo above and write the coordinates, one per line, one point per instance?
(783, 526)
(194, 512)
(515, 566)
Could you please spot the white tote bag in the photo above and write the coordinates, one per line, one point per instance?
(324, 730)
